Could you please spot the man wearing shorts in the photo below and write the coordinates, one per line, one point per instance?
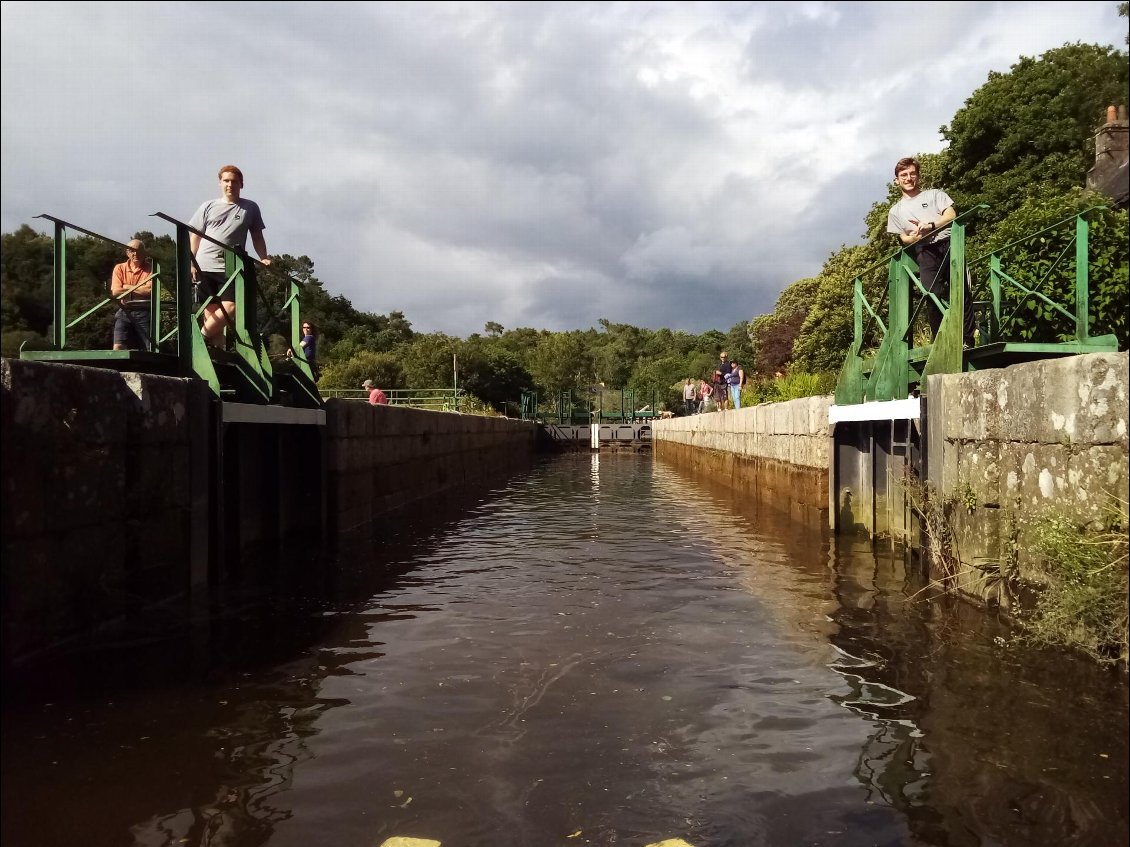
(228, 220)
(131, 285)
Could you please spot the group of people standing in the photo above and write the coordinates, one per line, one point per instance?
(723, 391)
(217, 226)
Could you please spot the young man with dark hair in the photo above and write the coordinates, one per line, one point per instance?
(920, 219)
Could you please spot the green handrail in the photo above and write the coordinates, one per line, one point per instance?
(252, 377)
(529, 405)
(895, 367)
(60, 307)
(1004, 317)
(436, 399)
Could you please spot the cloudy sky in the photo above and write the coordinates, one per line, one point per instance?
(535, 164)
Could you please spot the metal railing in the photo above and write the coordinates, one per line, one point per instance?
(576, 407)
(883, 362)
(63, 321)
(249, 374)
(436, 399)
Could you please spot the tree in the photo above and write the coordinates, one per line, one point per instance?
(427, 362)
(25, 286)
(826, 332)
(383, 368)
(1032, 127)
(562, 361)
(492, 373)
(772, 336)
(1041, 256)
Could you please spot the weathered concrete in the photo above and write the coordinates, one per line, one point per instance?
(122, 490)
(1003, 448)
(777, 452)
(1013, 444)
(101, 494)
(379, 459)
(795, 432)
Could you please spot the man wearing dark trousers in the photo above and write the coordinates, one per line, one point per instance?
(920, 219)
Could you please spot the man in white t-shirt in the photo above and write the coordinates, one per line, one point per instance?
(689, 396)
(920, 219)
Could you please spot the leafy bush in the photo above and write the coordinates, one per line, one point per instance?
(791, 386)
(1037, 248)
(383, 368)
(1084, 605)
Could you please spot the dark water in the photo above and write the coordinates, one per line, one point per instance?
(603, 652)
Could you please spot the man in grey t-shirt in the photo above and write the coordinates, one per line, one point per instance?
(229, 220)
(920, 221)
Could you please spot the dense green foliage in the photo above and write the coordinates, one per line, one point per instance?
(1036, 246)
(1032, 128)
(1083, 603)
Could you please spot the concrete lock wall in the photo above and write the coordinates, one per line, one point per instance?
(380, 459)
(100, 487)
(777, 452)
(124, 490)
(1008, 446)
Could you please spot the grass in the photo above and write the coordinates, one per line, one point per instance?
(1081, 601)
(1084, 603)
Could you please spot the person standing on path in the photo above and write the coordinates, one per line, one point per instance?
(723, 368)
(689, 393)
(734, 380)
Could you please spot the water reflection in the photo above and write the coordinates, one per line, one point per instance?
(977, 740)
(605, 647)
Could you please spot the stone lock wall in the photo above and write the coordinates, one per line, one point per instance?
(777, 452)
(100, 487)
(117, 496)
(1008, 446)
(380, 459)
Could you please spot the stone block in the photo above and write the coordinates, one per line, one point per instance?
(1096, 483)
(1102, 395)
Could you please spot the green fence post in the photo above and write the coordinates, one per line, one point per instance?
(995, 294)
(59, 304)
(1082, 279)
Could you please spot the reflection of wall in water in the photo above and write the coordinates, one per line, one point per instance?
(1011, 738)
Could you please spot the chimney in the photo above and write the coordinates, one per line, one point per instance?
(1110, 175)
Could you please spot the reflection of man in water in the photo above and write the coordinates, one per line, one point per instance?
(846, 521)
(132, 286)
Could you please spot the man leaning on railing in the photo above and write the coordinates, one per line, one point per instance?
(229, 220)
(921, 220)
(132, 285)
